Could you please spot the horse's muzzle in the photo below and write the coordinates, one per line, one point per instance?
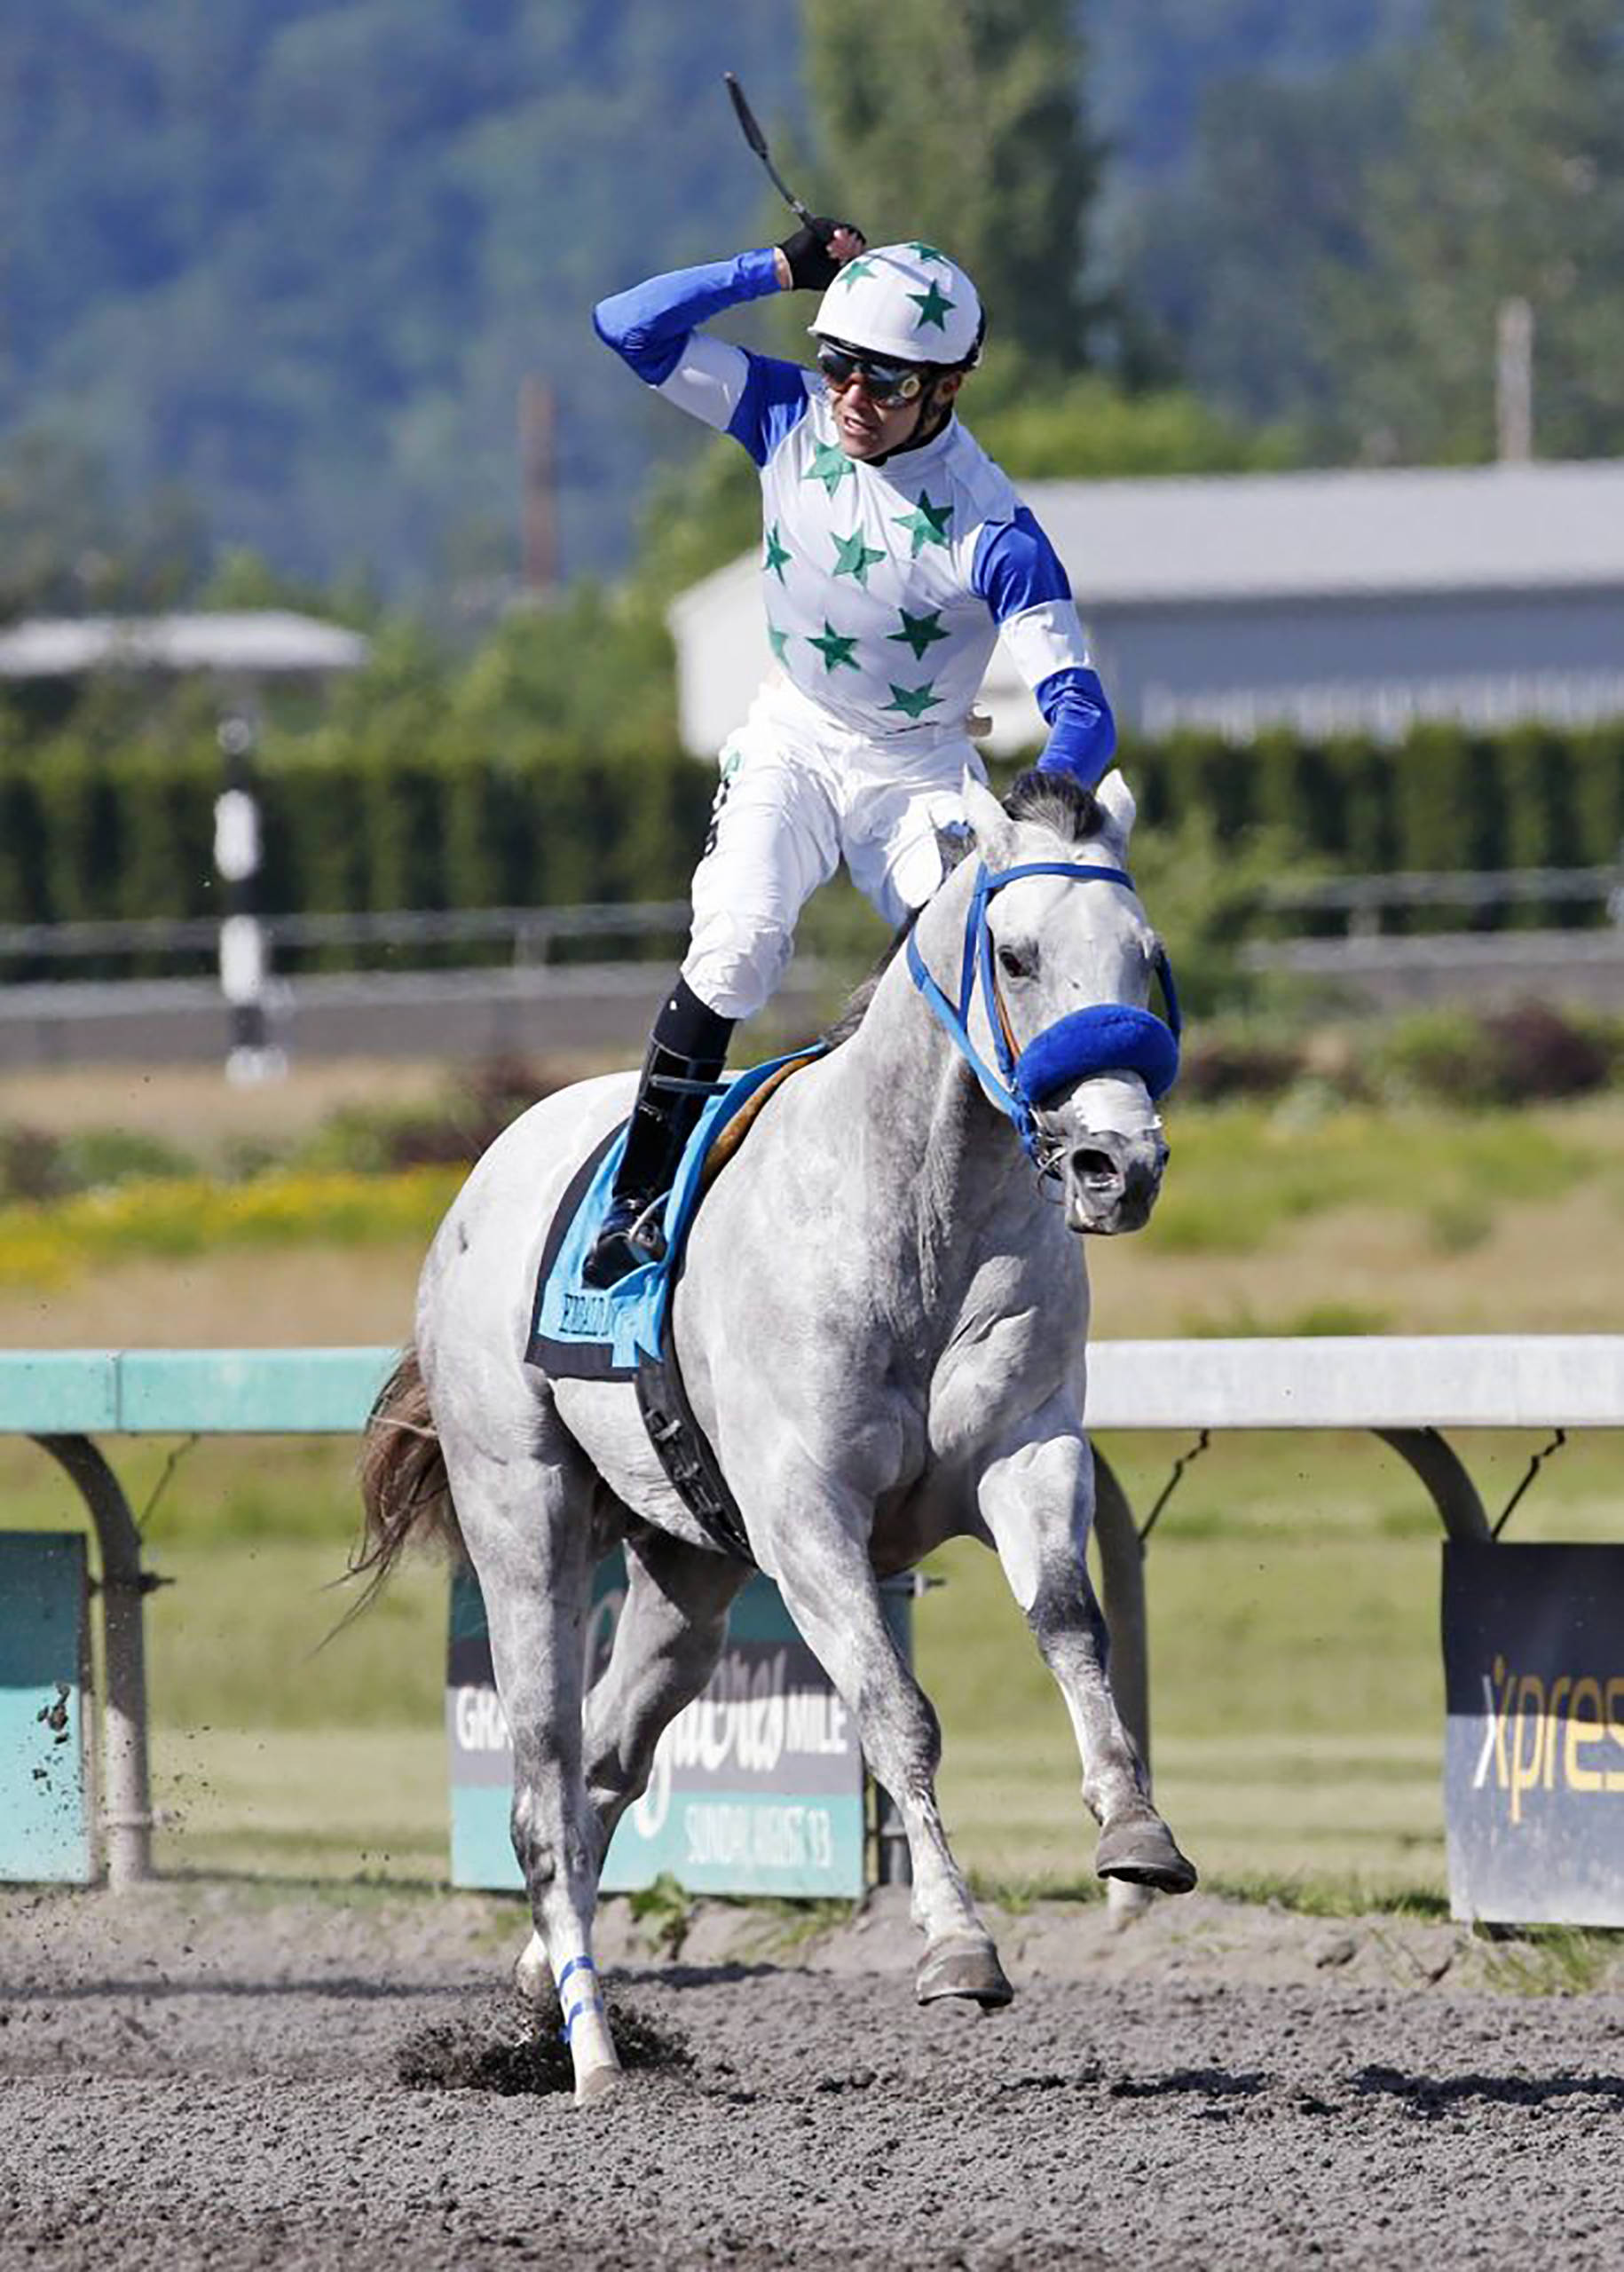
(1112, 1182)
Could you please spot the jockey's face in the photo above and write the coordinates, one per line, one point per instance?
(867, 428)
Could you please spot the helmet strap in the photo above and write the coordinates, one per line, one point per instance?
(923, 433)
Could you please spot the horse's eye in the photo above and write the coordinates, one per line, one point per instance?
(1014, 964)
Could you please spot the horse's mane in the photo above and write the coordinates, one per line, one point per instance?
(1054, 801)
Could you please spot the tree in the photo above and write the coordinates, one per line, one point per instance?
(964, 125)
(69, 545)
(1238, 260)
(1510, 183)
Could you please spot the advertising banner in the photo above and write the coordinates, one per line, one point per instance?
(46, 1819)
(1533, 1764)
(757, 1788)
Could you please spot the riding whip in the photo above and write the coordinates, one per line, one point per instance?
(758, 143)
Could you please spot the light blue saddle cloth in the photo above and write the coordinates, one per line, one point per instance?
(581, 1332)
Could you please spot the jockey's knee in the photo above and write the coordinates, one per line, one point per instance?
(736, 962)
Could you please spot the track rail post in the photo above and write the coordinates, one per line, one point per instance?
(1438, 1465)
(127, 1813)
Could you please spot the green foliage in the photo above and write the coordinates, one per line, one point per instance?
(1089, 428)
(594, 667)
(1342, 261)
(1509, 182)
(1505, 1057)
(434, 783)
(469, 1115)
(1206, 895)
(665, 1910)
(1236, 256)
(299, 260)
(69, 545)
(1247, 1174)
(964, 126)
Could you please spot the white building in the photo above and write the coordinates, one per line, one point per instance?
(1350, 602)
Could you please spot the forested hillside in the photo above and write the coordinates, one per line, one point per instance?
(297, 255)
(274, 270)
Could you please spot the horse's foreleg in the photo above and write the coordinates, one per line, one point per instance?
(1036, 1497)
(667, 1641)
(824, 1576)
(526, 1519)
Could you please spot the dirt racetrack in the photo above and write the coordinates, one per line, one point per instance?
(213, 2075)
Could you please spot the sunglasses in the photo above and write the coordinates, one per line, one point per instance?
(888, 384)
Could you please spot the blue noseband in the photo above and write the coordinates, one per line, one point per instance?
(1111, 1038)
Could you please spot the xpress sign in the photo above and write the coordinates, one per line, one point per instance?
(757, 1786)
(1533, 1661)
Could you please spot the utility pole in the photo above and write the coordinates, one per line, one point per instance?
(1514, 382)
(538, 488)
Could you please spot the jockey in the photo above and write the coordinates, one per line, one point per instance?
(896, 555)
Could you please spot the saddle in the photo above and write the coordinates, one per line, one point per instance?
(622, 1332)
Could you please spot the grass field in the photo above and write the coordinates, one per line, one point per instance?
(1293, 1581)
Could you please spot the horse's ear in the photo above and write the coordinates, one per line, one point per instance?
(989, 821)
(1118, 810)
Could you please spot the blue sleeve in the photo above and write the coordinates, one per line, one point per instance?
(1017, 567)
(1081, 730)
(647, 326)
(650, 328)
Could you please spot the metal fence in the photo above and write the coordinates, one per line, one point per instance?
(528, 938)
(1365, 902)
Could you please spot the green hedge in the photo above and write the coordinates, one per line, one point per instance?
(402, 812)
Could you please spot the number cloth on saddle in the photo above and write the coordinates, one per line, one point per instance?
(581, 1332)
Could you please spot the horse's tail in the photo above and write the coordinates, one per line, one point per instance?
(406, 1493)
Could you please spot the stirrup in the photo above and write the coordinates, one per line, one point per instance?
(629, 1237)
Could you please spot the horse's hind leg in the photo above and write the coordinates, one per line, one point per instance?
(526, 1511)
(666, 1644)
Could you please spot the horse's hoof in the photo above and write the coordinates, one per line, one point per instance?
(969, 1968)
(1140, 1852)
(596, 2083)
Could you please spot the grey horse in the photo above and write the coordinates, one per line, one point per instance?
(881, 1325)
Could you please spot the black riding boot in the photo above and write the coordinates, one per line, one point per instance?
(686, 1052)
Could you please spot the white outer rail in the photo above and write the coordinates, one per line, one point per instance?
(1484, 1380)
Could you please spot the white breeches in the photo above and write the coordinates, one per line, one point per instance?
(798, 794)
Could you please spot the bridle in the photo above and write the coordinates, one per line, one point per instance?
(1107, 1037)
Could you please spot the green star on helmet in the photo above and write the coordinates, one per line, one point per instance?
(777, 640)
(932, 305)
(829, 465)
(834, 648)
(862, 266)
(914, 701)
(928, 252)
(853, 557)
(927, 524)
(777, 553)
(918, 632)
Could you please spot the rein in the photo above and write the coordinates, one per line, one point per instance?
(1110, 1037)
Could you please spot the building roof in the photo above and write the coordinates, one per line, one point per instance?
(264, 643)
(1302, 536)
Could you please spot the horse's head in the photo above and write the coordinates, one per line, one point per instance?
(1066, 962)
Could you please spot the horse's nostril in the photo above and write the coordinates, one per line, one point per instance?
(1095, 1167)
